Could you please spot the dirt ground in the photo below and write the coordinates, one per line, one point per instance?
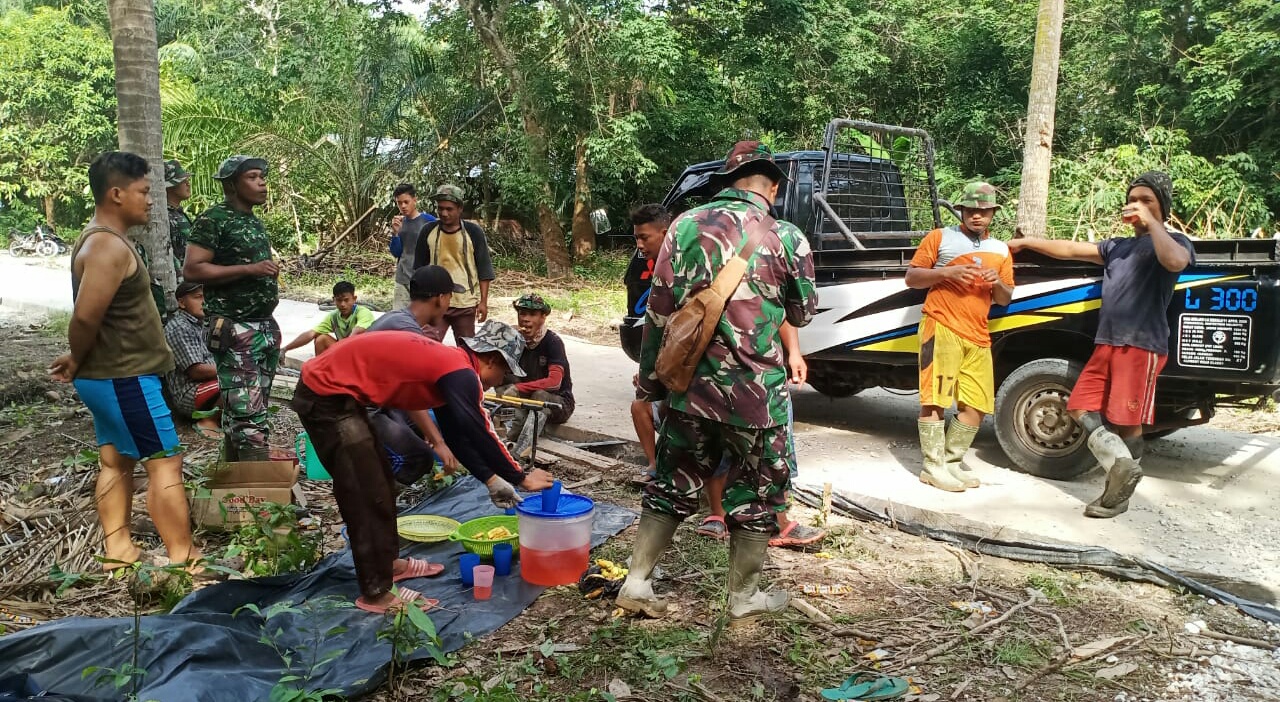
(876, 599)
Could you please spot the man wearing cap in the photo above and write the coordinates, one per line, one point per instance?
(459, 247)
(737, 400)
(193, 383)
(177, 183)
(546, 374)
(229, 253)
(965, 271)
(413, 374)
(1118, 383)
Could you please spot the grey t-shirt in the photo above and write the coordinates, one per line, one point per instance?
(410, 233)
(399, 320)
(1136, 291)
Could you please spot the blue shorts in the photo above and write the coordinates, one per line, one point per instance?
(131, 415)
(793, 466)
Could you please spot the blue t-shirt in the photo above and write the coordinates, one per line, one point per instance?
(1136, 291)
(399, 320)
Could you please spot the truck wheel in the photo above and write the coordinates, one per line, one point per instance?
(1032, 423)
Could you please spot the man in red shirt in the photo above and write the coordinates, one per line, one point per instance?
(405, 371)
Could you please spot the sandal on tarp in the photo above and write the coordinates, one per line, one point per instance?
(714, 527)
(868, 686)
(418, 568)
(402, 595)
(796, 534)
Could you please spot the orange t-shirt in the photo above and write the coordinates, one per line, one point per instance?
(964, 309)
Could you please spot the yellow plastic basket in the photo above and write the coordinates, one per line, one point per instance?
(427, 528)
(470, 532)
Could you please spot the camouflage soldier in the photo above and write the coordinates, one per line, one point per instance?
(229, 253)
(177, 183)
(737, 401)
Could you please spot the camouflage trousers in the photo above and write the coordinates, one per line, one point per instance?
(246, 368)
(689, 450)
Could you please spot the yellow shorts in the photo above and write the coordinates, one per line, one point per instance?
(954, 370)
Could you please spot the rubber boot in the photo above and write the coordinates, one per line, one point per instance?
(959, 439)
(747, 602)
(652, 539)
(1123, 474)
(932, 444)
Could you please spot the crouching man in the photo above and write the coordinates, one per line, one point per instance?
(546, 375)
(407, 372)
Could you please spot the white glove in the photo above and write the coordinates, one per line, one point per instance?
(502, 494)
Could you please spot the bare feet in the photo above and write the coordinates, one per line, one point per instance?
(209, 428)
(115, 561)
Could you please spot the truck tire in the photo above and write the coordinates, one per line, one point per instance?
(1032, 423)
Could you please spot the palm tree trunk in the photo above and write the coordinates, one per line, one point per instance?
(133, 41)
(1037, 153)
(584, 234)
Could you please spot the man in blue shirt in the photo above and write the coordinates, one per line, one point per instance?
(406, 229)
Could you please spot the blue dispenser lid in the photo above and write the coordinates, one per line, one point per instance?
(569, 506)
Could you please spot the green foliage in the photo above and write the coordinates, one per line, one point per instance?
(314, 622)
(57, 105)
(409, 629)
(273, 543)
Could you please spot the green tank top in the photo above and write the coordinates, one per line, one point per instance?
(131, 339)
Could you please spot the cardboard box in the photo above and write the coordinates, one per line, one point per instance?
(235, 488)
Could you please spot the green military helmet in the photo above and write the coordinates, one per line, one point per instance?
(503, 338)
(174, 173)
(238, 164)
(978, 196)
(532, 301)
(448, 191)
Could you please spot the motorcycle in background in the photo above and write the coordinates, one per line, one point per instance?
(41, 242)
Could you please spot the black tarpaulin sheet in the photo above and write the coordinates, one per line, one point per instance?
(1055, 554)
(201, 653)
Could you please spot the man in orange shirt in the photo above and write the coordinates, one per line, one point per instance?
(965, 271)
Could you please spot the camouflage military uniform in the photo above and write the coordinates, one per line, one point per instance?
(249, 351)
(179, 232)
(737, 402)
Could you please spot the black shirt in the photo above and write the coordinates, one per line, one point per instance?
(537, 362)
(1136, 291)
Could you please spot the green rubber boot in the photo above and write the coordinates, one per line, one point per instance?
(652, 539)
(747, 602)
(932, 444)
(959, 439)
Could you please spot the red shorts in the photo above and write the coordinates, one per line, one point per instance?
(1120, 382)
(206, 395)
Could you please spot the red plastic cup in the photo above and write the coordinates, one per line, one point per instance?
(483, 577)
(1130, 218)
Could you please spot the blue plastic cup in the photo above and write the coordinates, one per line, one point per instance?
(502, 559)
(551, 497)
(466, 563)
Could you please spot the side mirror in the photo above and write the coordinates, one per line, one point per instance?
(600, 221)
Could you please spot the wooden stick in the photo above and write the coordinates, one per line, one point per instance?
(1242, 640)
(948, 645)
(826, 503)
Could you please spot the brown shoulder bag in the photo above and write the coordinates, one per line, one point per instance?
(689, 329)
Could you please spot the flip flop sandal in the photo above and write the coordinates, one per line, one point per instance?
(642, 480)
(403, 595)
(418, 568)
(886, 688)
(714, 527)
(868, 686)
(796, 535)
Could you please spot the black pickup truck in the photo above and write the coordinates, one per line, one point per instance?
(863, 213)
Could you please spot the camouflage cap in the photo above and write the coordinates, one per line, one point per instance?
(503, 338)
(448, 191)
(978, 196)
(238, 164)
(532, 301)
(174, 173)
(745, 153)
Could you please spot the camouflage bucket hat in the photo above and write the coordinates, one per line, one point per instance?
(448, 191)
(532, 301)
(238, 164)
(745, 153)
(503, 338)
(174, 173)
(978, 196)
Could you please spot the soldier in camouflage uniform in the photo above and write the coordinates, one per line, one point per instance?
(736, 404)
(229, 253)
(177, 183)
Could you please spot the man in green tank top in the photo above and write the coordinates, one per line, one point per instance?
(117, 354)
(229, 253)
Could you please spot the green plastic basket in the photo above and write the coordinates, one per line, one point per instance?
(468, 532)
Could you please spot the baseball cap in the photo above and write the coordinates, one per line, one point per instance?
(503, 338)
(448, 191)
(235, 165)
(532, 301)
(185, 288)
(429, 281)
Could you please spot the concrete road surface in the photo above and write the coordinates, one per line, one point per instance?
(1207, 505)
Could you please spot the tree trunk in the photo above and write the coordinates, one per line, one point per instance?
(1038, 150)
(584, 234)
(133, 41)
(487, 16)
(48, 210)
